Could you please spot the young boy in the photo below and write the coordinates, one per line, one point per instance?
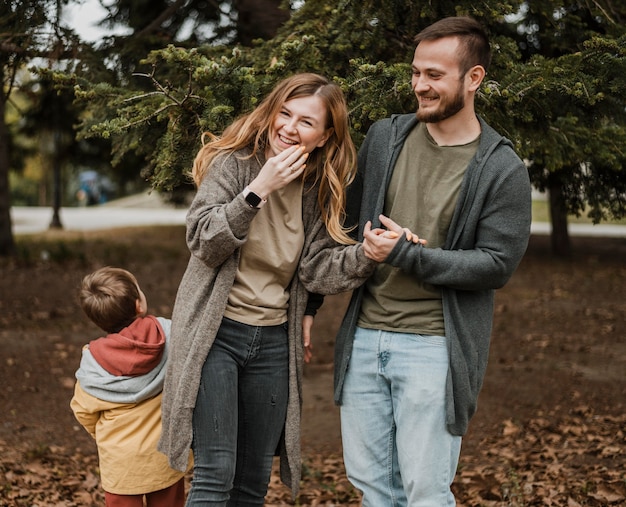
(117, 397)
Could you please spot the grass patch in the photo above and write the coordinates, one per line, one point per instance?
(541, 213)
(112, 247)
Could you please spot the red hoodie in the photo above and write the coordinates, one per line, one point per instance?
(135, 350)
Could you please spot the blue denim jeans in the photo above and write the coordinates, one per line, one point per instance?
(239, 415)
(397, 449)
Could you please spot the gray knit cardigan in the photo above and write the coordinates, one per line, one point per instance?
(218, 222)
(487, 238)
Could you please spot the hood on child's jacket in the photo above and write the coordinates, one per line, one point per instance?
(135, 350)
(133, 387)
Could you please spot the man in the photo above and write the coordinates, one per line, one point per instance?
(412, 349)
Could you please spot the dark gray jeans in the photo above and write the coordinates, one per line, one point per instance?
(239, 415)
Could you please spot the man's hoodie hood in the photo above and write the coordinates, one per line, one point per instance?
(135, 350)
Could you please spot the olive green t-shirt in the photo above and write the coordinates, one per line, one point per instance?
(422, 196)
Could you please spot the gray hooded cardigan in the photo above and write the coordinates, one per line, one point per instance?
(487, 238)
(218, 222)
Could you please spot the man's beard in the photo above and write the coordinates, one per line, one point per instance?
(443, 113)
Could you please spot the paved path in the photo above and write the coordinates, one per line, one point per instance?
(147, 209)
(142, 209)
(35, 220)
(590, 230)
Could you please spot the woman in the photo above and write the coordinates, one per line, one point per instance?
(268, 189)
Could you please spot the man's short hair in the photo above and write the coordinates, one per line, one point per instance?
(473, 45)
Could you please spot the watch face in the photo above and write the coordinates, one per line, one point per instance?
(252, 199)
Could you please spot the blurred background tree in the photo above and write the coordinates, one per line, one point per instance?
(40, 151)
(26, 36)
(565, 103)
(556, 86)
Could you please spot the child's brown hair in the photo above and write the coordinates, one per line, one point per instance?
(109, 297)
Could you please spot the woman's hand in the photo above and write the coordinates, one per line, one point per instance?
(394, 230)
(307, 324)
(279, 170)
(378, 243)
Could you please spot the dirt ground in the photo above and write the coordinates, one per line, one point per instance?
(550, 427)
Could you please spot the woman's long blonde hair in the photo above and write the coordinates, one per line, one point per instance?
(333, 165)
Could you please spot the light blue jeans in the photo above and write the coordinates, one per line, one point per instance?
(239, 415)
(397, 449)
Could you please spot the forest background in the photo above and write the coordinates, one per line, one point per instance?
(132, 105)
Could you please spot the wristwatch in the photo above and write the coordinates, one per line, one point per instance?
(253, 200)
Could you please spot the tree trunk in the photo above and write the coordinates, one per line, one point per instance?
(560, 241)
(7, 244)
(55, 223)
(258, 19)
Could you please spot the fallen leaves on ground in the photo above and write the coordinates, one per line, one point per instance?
(573, 461)
(570, 461)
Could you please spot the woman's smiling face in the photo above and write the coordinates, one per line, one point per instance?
(300, 121)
